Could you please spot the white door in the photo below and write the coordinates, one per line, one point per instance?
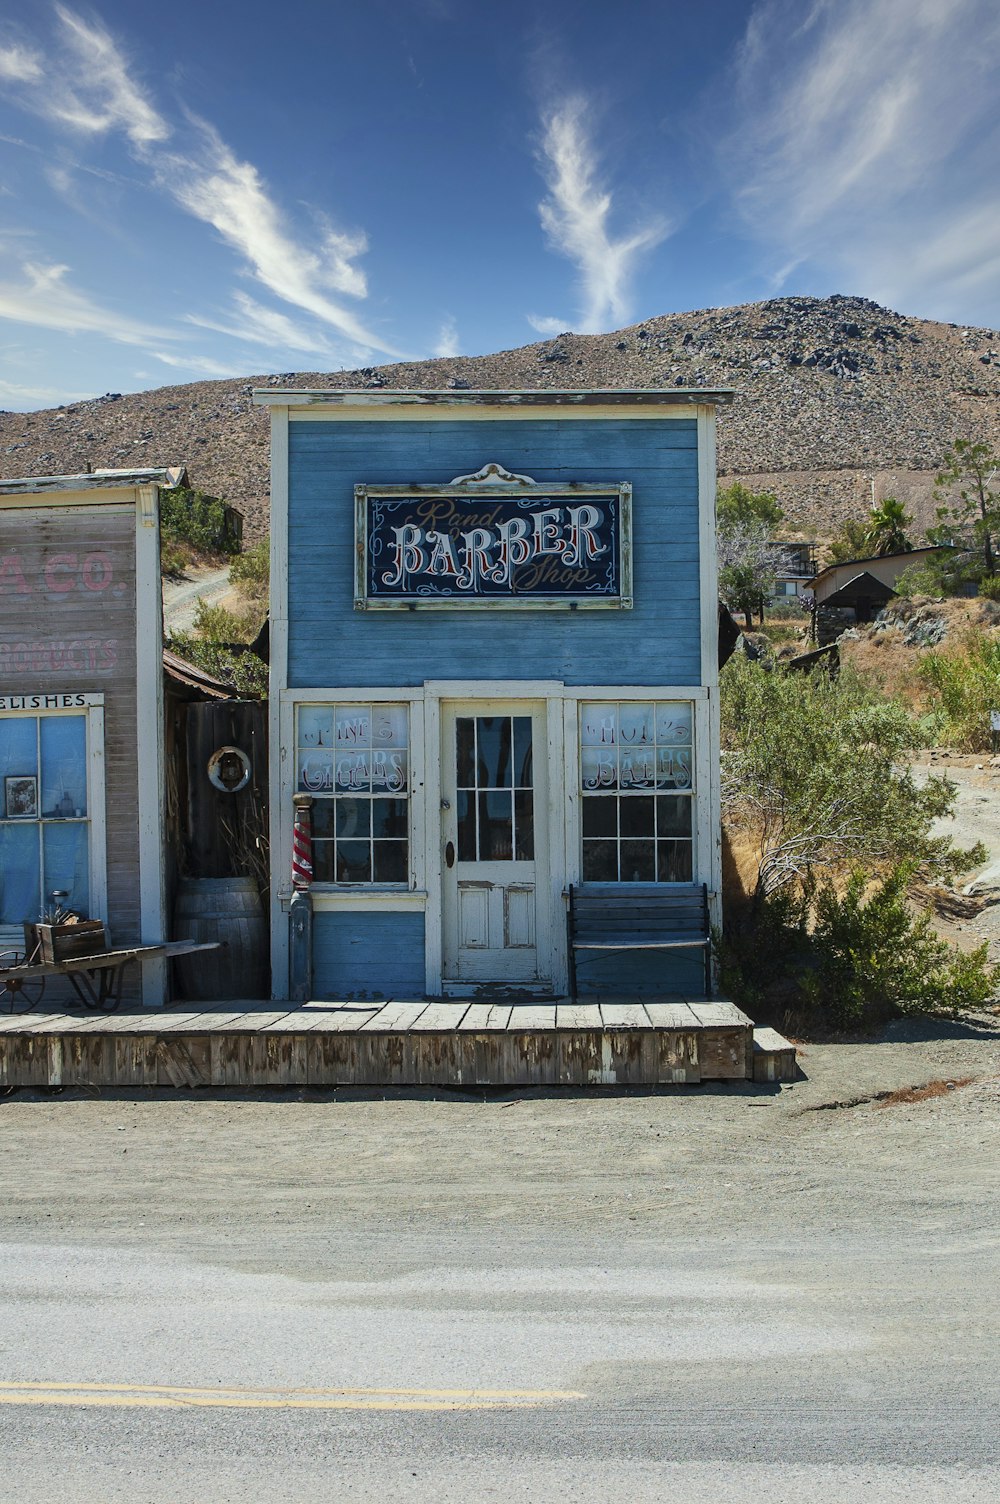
(493, 838)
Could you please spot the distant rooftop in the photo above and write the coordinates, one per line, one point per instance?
(96, 480)
(468, 396)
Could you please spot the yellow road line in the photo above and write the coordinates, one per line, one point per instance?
(178, 1397)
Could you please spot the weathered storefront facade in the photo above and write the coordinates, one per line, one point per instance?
(81, 710)
(494, 675)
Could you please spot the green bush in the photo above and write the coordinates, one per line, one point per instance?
(215, 643)
(874, 959)
(815, 778)
(250, 571)
(198, 520)
(837, 961)
(989, 586)
(964, 686)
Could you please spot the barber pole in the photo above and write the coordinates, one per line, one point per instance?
(302, 865)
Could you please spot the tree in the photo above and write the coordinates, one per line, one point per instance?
(970, 468)
(887, 524)
(748, 560)
(814, 777)
(748, 565)
(850, 541)
(737, 506)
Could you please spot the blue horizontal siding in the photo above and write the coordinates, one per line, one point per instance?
(368, 955)
(653, 974)
(332, 644)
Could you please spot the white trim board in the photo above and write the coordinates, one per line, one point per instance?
(149, 740)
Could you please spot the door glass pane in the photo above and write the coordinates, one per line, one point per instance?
(522, 752)
(465, 752)
(20, 878)
(496, 826)
(494, 769)
(466, 826)
(524, 826)
(64, 766)
(66, 864)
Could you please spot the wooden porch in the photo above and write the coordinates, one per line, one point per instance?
(608, 1042)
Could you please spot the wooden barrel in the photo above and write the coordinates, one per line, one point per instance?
(226, 909)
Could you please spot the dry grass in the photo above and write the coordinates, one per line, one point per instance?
(926, 1092)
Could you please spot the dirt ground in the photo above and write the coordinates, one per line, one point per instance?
(971, 916)
(182, 1166)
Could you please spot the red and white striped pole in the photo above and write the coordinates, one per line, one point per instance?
(302, 862)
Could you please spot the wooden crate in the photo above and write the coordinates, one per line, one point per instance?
(68, 942)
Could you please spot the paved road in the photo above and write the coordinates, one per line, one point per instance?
(702, 1296)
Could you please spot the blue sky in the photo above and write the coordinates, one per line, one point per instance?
(201, 189)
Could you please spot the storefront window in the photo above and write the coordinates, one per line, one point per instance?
(636, 782)
(44, 820)
(354, 760)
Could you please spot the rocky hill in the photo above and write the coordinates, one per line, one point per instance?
(831, 394)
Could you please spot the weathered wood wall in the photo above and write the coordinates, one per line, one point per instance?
(68, 622)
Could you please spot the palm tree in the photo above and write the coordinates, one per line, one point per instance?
(887, 524)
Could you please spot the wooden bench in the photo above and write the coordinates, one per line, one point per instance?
(621, 917)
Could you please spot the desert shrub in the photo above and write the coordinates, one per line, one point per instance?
(875, 959)
(815, 778)
(848, 960)
(963, 684)
(193, 518)
(216, 644)
(250, 571)
(945, 574)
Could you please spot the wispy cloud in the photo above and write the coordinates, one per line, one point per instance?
(229, 194)
(576, 217)
(202, 364)
(88, 86)
(44, 298)
(257, 325)
(447, 340)
(545, 324)
(861, 127)
(19, 65)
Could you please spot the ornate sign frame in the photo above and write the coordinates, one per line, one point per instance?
(573, 527)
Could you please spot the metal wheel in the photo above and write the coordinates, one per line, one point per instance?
(18, 994)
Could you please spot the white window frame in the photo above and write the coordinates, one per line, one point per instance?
(341, 699)
(12, 936)
(691, 793)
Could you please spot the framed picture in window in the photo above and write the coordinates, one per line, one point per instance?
(21, 797)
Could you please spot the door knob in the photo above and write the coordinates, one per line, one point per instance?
(449, 854)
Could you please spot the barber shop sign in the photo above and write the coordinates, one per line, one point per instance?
(493, 539)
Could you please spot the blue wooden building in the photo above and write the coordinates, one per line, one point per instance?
(494, 674)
